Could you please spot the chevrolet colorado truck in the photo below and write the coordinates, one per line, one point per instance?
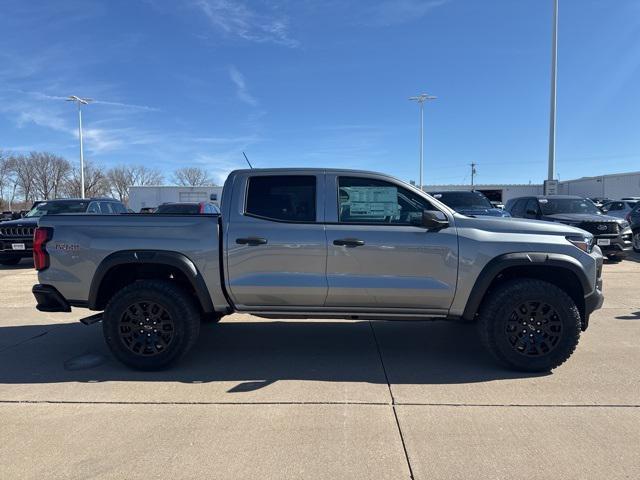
(321, 243)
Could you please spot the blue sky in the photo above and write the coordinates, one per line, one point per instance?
(325, 83)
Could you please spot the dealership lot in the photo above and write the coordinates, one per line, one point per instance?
(324, 399)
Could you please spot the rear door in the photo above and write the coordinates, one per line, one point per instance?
(276, 249)
(378, 255)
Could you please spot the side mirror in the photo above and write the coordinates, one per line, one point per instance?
(434, 220)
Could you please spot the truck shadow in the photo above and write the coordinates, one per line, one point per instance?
(256, 354)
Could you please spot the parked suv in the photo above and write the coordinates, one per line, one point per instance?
(187, 208)
(634, 219)
(612, 234)
(618, 208)
(16, 236)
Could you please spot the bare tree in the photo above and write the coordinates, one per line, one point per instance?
(192, 177)
(95, 181)
(7, 179)
(122, 177)
(50, 172)
(24, 171)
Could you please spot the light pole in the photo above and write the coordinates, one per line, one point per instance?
(551, 174)
(80, 102)
(423, 97)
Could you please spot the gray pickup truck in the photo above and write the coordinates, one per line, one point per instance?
(321, 243)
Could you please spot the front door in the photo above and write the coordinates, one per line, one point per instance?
(378, 255)
(276, 249)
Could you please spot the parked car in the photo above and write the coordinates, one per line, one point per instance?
(321, 243)
(633, 218)
(16, 236)
(599, 201)
(618, 208)
(612, 234)
(470, 203)
(187, 208)
(147, 210)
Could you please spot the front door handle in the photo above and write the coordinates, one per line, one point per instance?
(251, 241)
(348, 242)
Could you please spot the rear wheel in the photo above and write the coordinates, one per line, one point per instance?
(10, 261)
(150, 324)
(530, 325)
(636, 241)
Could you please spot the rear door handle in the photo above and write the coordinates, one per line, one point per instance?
(348, 242)
(251, 241)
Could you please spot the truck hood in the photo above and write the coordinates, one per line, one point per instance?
(489, 212)
(516, 225)
(575, 218)
(21, 222)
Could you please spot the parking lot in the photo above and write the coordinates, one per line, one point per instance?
(324, 399)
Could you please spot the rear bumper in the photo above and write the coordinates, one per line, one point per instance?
(595, 300)
(49, 299)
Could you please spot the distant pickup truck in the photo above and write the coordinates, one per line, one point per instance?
(316, 243)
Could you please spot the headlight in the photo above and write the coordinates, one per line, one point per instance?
(624, 225)
(583, 242)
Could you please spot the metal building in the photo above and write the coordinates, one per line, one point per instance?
(614, 186)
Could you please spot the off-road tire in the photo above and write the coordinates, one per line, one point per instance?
(636, 240)
(180, 309)
(211, 317)
(10, 261)
(496, 316)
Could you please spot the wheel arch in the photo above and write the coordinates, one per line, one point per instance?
(125, 267)
(561, 270)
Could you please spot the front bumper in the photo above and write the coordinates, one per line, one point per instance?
(618, 244)
(49, 299)
(7, 250)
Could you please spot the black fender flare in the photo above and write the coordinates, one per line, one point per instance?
(138, 257)
(500, 263)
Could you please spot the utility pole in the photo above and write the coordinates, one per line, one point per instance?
(423, 97)
(551, 174)
(80, 101)
(473, 173)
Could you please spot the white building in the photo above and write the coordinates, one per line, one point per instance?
(614, 186)
(152, 196)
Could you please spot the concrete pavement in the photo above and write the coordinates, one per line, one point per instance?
(316, 399)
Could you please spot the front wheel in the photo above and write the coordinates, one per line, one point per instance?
(530, 325)
(150, 324)
(636, 241)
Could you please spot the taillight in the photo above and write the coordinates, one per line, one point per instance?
(40, 256)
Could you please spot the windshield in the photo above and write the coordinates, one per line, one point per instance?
(463, 200)
(58, 208)
(179, 208)
(552, 206)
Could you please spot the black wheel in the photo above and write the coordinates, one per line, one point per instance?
(615, 258)
(636, 241)
(150, 324)
(530, 325)
(10, 261)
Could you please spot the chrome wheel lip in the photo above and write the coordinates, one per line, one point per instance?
(146, 328)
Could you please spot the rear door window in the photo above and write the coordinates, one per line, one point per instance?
(285, 198)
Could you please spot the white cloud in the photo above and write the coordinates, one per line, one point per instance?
(241, 87)
(234, 18)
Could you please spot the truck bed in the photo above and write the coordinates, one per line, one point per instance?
(84, 241)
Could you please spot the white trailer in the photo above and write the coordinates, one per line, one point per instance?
(152, 196)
